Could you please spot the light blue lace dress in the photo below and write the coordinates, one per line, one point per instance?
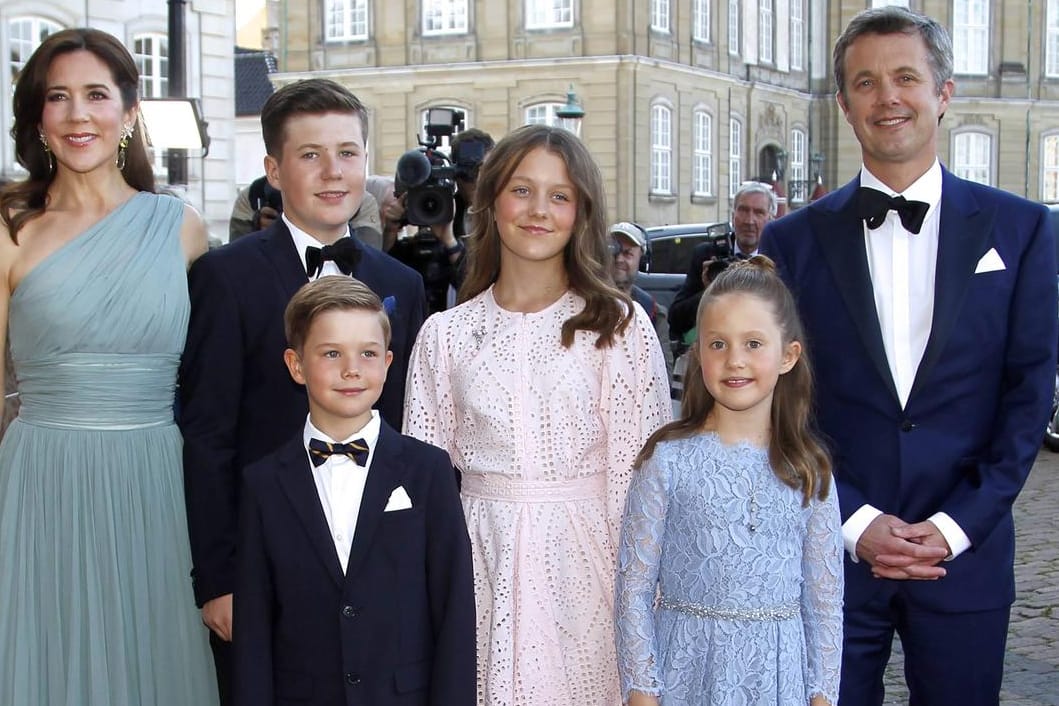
(728, 590)
(96, 606)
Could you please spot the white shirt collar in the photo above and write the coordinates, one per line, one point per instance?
(303, 240)
(369, 433)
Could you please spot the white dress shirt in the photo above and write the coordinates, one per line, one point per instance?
(902, 268)
(340, 483)
(302, 240)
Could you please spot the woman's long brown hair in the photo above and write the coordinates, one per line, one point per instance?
(608, 310)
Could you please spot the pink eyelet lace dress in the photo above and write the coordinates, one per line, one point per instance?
(545, 437)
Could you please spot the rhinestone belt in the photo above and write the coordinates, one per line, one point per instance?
(780, 612)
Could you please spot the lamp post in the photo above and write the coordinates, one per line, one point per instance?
(178, 164)
(781, 163)
(572, 113)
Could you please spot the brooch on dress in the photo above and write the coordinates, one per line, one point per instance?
(479, 335)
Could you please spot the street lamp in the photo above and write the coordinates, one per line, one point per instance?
(818, 162)
(571, 113)
(174, 123)
(781, 163)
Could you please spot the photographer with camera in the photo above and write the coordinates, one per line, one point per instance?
(754, 205)
(437, 192)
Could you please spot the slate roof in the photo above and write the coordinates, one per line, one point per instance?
(252, 86)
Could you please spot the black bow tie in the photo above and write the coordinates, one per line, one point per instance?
(343, 252)
(320, 451)
(873, 205)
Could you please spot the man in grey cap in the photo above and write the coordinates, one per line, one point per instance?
(629, 244)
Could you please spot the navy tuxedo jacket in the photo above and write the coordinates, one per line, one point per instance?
(967, 437)
(397, 628)
(237, 400)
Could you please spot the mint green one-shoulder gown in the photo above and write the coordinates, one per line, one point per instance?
(96, 607)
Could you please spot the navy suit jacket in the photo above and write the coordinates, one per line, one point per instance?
(397, 628)
(237, 399)
(968, 435)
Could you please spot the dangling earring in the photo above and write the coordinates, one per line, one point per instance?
(47, 151)
(123, 146)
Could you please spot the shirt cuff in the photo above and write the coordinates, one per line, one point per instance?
(958, 540)
(854, 527)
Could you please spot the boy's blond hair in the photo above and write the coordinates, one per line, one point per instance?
(331, 293)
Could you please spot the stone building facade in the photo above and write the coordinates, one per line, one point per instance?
(683, 99)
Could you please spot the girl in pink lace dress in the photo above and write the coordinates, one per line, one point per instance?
(542, 385)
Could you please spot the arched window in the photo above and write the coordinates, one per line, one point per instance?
(735, 155)
(1050, 168)
(702, 159)
(151, 52)
(544, 114)
(796, 165)
(661, 149)
(24, 35)
(972, 156)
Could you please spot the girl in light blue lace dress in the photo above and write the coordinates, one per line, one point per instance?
(729, 586)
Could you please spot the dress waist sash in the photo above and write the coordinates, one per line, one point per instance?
(493, 486)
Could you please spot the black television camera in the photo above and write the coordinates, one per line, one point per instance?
(427, 176)
(719, 237)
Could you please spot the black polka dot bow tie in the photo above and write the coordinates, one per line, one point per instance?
(320, 451)
(873, 205)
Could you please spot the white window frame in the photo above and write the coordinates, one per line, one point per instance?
(1051, 41)
(32, 30)
(549, 14)
(889, 3)
(346, 20)
(700, 20)
(735, 155)
(702, 154)
(970, 37)
(660, 16)
(153, 64)
(765, 30)
(661, 149)
(442, 17)
(734, 8)
(972, 156)
(796, 163)
(797, 38)
(1050, 168)
(544, 114)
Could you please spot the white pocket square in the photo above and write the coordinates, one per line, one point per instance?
(399, 500)
(990, 262)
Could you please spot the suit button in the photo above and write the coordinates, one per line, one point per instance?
(352, 679)
(349, 611)
(907, 425)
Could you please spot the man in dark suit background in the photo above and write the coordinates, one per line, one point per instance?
(932, 322)
(753, 207)
(237, 401)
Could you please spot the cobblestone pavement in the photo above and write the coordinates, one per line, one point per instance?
(1031, 668)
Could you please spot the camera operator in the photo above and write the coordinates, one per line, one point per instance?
(754, 205)
(437, 193)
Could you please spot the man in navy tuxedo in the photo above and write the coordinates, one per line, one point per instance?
(237, 402)
(930, 310)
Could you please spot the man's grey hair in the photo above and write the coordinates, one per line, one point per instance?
(757, 187)
(896, 20)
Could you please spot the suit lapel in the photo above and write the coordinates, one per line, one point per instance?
(840, 234)
(963, 231)
(383, 477)
(278, 248)
(296, 481)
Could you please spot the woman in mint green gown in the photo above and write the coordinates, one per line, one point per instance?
(96, 607)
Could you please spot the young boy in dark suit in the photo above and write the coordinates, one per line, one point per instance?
(237, 402)
(355, 583)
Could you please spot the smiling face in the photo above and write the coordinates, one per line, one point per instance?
(893, 105)
(536, 210)
(342, 363)
(83, 113)
(320, 171)
(742, 354)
